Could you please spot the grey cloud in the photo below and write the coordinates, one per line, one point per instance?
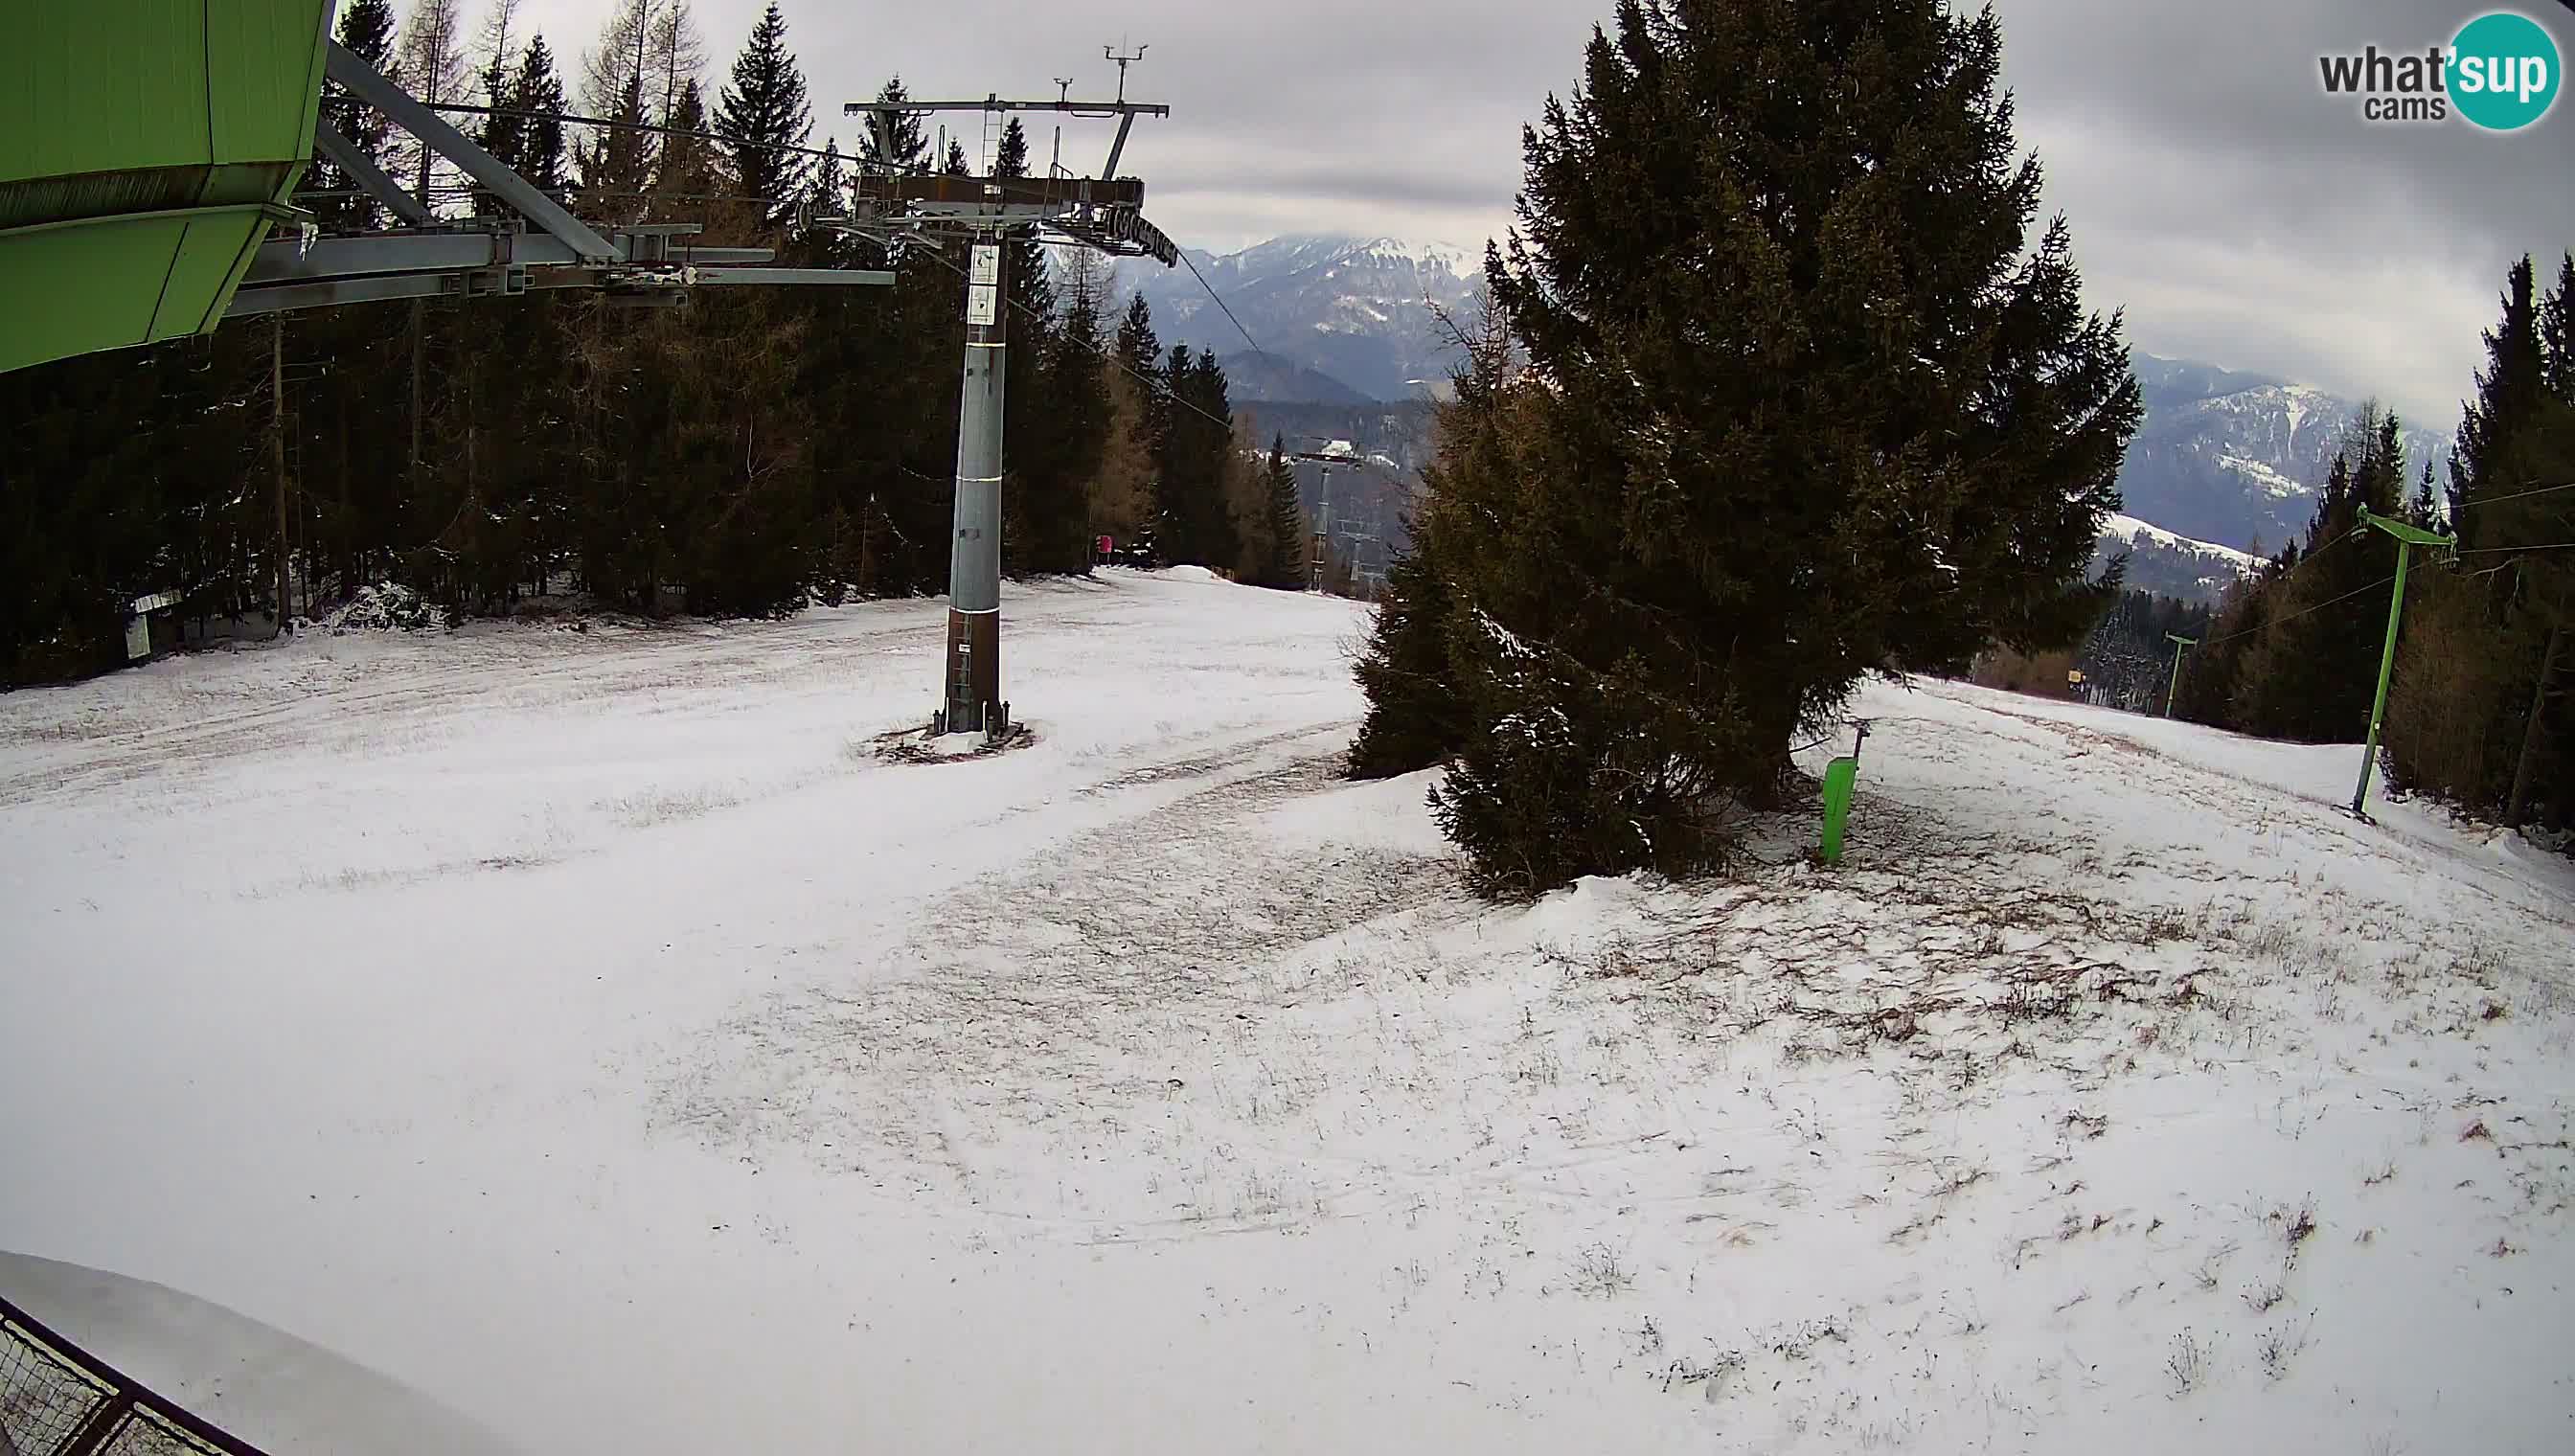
(2215, 191)
(2243, 216)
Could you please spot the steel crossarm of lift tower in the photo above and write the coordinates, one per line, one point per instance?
(433, 257)
(652, 264)
(1105, 213)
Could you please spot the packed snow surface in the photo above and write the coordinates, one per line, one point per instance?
(592, 1032)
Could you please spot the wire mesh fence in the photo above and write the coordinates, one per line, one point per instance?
(56, 1399)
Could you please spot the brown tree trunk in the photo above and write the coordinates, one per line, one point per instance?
(277, 458)
(2518, 804)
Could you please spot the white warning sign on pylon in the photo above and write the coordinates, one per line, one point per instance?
(988, 265)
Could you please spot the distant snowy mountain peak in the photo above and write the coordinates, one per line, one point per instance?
(1447, 257)
(1341, 317)
(1303, 252)
(2236, 459)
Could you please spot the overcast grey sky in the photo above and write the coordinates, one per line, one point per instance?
(2238, 213)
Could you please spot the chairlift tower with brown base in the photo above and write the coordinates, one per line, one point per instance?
(1104, 214)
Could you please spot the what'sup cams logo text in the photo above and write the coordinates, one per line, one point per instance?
(2501, 72)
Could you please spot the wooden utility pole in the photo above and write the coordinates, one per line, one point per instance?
(419, 333)
(277, 458)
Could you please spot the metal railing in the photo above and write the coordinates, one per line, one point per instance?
(57, 1399)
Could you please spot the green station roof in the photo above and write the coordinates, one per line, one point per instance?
(146, 147)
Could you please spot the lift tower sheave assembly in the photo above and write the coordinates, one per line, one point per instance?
(1104, 214)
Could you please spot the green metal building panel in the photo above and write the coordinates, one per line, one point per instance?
(103, 87)
(145, 148)
(74, 281)
(214, 249)
(267, 68)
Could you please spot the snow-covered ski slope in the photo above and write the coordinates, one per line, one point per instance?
(589, 1032)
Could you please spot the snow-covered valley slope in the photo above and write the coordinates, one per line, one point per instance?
(2169, 565)
(590, 1032)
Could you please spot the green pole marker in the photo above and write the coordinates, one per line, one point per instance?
(2407, 538)
(1840, 776)
(2188, 643)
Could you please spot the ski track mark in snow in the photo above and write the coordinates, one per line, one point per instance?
(1040, 1003)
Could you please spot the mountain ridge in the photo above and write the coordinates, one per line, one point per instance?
(1361, 312)
(2236, 460)
(2225, 459)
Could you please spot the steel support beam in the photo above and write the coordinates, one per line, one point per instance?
(280, 295)
(824, 276)
(285, 259)
(374, 179)
(1038, 197)
(1095, 109)
(251, 300)
(288, 258)
(367, 85)
(1118, 148)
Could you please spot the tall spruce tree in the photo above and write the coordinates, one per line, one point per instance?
(539, 89)
(2509, 389)
(1031, 283)
(1284, 523)
(366, 29)
(1139, 356)
(617, 169)
(689, 177)
(2539, 646)
(764, 110)
(2480, 712)
(1119, 490)
(2213, 675)
(1139, 350)
(1080, 418)
(1176, 463)
(1195, 518)
(827, 190)
(1416, 716)
(1813, 403)
(2557, 332)
(1045, 494)
(2310, 675)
